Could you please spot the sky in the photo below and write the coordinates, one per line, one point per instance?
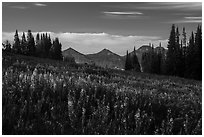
(90, 27)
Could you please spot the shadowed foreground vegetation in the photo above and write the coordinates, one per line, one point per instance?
(53, 97)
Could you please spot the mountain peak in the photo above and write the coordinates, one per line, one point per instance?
(105, 50)
(70, 48)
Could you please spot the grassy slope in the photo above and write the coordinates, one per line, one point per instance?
(165, 105)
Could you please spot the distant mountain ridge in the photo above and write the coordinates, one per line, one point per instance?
(79, 57)
(107, 58)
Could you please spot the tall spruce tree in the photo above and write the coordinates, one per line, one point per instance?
(135, 62)
(190, 62)
(171, 53)
(146, 62)
(127, 62)
(56, 50)
(38, 45)
(31, 43)
(7, 46)
(198, 54)
(179, 56)
(24, 47)
(16, 45)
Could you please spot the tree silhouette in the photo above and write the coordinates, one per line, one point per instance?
(127, 62)
(16, 45)
(24, 46)
(31, 43)
(135, 62)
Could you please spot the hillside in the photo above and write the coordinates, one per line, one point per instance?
(106, 58)
(144, 49)
(79, 57)
(53, 98)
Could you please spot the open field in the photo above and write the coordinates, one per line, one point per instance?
(42, 96)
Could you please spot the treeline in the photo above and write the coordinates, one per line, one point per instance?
(153, 61)
(132, 62)
(183, 58)
(42, 47)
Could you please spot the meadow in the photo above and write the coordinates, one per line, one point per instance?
(42, 96)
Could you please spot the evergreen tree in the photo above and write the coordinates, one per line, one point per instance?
(159, 56)
(184, 37)
(127, 62)
(184, 49)
(190, 62)
(171, 53)
(198, 54)
(56, 50)
(48, 45)
(16, 45)
(24, 47)
(135, 62)
(7, 46)
(146, 62)
(30, 43)
(179, 56)
(39, 45)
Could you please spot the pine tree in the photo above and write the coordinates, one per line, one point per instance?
(31, 43)
(135, 62)
(56, 50)
(37, 45)
(146, 62)
(16, 45)
(48, 45)
(159, 56)
(198, 54)
(171, 53)
(24, 47)
(179, 56)
(184, 37)
(127, 62)
(184, 49)
(7, 46)
(190, 62)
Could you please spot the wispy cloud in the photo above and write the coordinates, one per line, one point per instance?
(122, 13)
(194, 18)
(187, 20)
(94, 42)
(161, 6)
(40, 4)
(18, 7)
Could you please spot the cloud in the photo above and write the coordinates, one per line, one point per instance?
(188, 20)
(40, 4)
(179, 5)
(183, 6)
(122, 13)
(195, 18)
(18, 7)
(88, 43)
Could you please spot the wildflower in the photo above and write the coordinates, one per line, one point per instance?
(137, 115)
(83, 110)
(35, 72)
(21, 76)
